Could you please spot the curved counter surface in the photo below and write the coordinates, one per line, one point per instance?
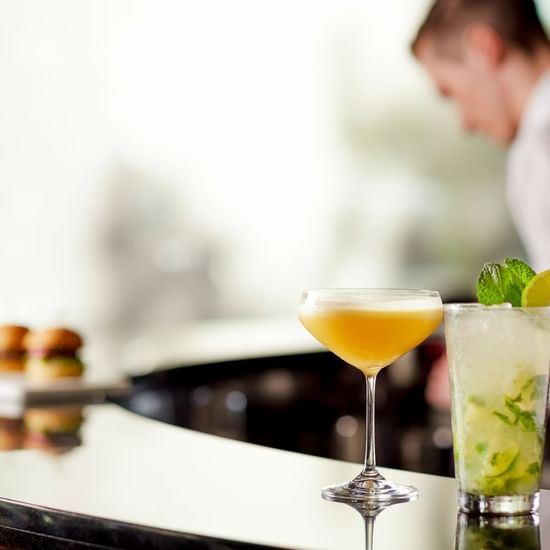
(203, 489)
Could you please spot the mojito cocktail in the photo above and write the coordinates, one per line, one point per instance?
(498, 363)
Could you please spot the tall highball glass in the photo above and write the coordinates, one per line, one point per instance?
(499, 360)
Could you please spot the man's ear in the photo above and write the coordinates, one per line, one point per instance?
(483, 44)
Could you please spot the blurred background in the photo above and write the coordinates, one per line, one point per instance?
(169, 161)
(172, 162)
(164, 161)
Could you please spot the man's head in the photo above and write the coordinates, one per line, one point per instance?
(483, 55)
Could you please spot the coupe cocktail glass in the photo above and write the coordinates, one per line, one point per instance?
(498, 362)
(370, 329)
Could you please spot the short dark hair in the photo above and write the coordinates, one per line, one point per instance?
(516, 21)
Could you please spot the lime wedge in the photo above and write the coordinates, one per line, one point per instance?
(501, 463)
(537, 291)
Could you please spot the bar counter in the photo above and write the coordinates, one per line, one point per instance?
(140, 483)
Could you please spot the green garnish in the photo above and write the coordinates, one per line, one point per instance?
(504, 418)
(516, 414)
(528, 384)
(503, 283)
(510, 404)
(502, 463)
(537, 387)
(476, 400)
(481, 448)
(527, 421)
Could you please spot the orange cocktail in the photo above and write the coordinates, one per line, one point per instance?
(369, 329)
(373, 336)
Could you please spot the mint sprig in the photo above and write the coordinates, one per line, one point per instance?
(503, 283)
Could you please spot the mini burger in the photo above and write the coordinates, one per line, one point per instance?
(52, 354)
(11, 433)
(12, 350)
(53, 429)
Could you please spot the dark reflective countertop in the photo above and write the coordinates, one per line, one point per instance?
(131, 482)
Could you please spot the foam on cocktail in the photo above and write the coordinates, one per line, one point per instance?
(376, 304)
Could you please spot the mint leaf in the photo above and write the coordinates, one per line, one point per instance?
(537, 385)
(481, 448)
(505, 419)
(499, 284)
(510, 404)
(490, 285)
(516, 276)
(527, 421)
(533, 468)
(519, 271)
(476, 400)
(517, 399)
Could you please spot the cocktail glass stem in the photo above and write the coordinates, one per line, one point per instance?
(369, 532)
(369, 468)
(370, 487)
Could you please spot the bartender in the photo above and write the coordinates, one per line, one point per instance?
(492, 59)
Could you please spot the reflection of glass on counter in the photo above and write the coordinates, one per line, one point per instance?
(497, 532)
(55, 430)
(369, 512)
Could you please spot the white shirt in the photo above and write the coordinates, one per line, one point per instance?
(529, 177)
